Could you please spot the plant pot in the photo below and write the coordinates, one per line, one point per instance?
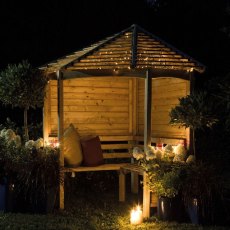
(3, 190)
(51, 198)
(44, 204)
(170, 209)
(193, 212)
(164, 209)
(33, 203)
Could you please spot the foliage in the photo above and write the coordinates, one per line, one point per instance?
(224, 97)
(200, 180)
(205, 183)
(9, 155)
(165, 178)
(194, 111)
(2, 158)
(34, 130)
(33, 169)
(38, 171)
(22, 86)
(9, 125)
(163, 168)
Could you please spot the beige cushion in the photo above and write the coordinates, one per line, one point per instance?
(72, 147)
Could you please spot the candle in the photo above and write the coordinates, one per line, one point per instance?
(136, 216)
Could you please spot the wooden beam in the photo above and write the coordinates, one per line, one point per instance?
(46, 114)
(130, 106)
(146, 196)
(148, 109)
(189, 132)
(60, 112)
(60, 134)
(72, 72)
(134, 47)
(121, 186)
(134, 105)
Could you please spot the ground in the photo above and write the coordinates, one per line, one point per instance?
(91, 204)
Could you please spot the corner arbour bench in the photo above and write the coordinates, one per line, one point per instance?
(117, 153)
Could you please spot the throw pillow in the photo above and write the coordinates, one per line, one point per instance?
(72, 147)
(92, 152)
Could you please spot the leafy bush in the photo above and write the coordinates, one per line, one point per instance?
(38, 171)
(164, 179)
(32, 169)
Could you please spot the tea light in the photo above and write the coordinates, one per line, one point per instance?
(136, 216)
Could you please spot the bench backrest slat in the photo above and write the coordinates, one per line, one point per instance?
(116, 155)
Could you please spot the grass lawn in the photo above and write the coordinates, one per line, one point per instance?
(90, 204)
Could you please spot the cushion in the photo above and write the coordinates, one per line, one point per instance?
(72, 147)
(92, 152)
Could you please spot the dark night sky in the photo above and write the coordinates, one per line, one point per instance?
(41, 31)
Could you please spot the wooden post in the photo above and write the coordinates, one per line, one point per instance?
(134, 176)
(131, 106)
(189, 132)
(147, 140)
(121, 186)
(46, 115)
(148, 109)
(60, 134)
(146, 196)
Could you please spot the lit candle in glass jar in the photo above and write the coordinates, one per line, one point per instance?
(136, 216)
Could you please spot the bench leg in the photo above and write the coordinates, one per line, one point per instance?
(134, 182)
(61, 192)
(146, 197)
(121, 186)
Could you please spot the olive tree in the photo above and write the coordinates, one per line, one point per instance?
(194, 111)
(22, 86)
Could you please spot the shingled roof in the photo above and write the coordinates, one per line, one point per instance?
(132, 48)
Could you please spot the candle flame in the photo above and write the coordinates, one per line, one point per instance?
(136, 215)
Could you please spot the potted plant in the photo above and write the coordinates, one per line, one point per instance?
(164, 169)
(22, 86)
(38, 178)
(202, 190)
(2, 176)
(194, 111)
(9, 146)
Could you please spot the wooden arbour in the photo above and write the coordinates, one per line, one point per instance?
(124, 85)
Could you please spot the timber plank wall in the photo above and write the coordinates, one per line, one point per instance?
(165, 94)
(114, 106)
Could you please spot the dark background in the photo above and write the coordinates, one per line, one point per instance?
(41, 31)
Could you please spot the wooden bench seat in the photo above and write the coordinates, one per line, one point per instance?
(103, 167)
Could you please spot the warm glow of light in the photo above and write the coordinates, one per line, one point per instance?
(73, 174)
(136, 215)
(53, 143)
